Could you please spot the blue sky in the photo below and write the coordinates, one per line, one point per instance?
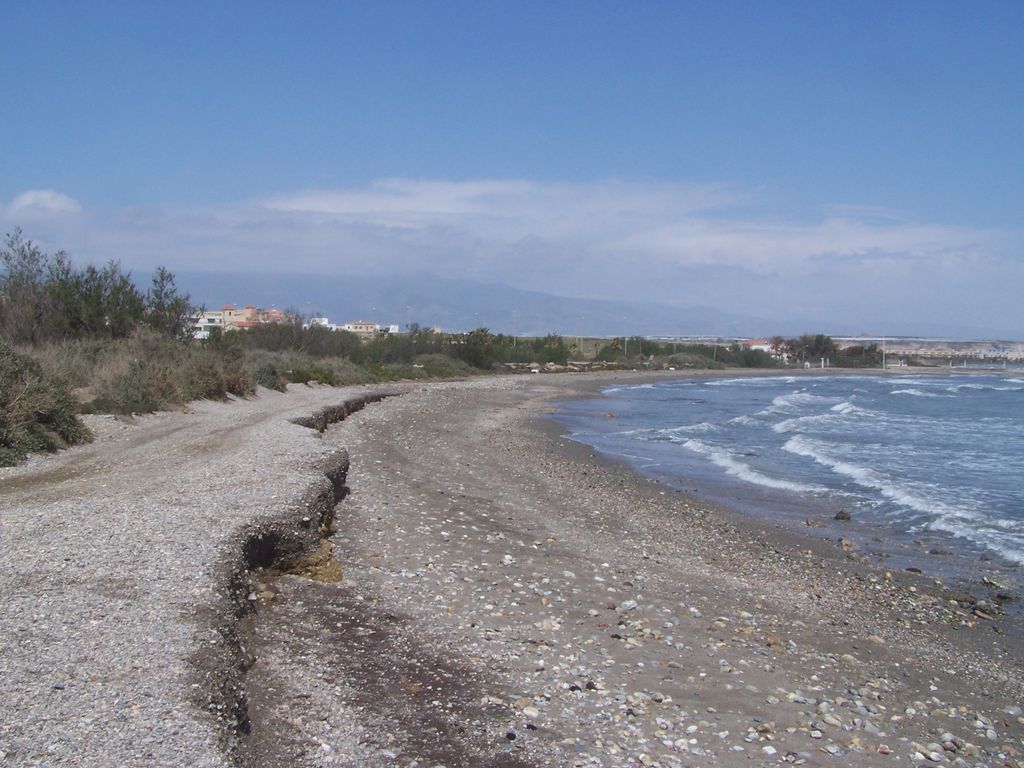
(784, 148)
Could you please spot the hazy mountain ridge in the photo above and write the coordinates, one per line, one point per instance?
(456, 304)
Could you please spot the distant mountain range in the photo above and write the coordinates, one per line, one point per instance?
(455, 304)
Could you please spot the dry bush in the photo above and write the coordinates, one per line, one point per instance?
(37, 412)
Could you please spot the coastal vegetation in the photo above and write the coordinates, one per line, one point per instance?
(37, 412)
(808, 348)
(90, 340)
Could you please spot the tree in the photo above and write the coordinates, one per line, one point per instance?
(778, 346)
(550, 349)
(24, 304)
(813, 347)
(93, 303)
(167, 311)
(476, 348)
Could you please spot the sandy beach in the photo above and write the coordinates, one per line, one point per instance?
(506, 598)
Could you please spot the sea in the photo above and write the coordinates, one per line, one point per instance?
(922, 471)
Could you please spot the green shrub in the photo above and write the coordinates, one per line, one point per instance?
(136, 386)
(444, 366)
(296, 366)
(314, 373)
(37, 412)
(150, 371)
(204, 377)
(268, 375)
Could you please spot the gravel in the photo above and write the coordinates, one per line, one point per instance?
(112, 571)
(506, 599)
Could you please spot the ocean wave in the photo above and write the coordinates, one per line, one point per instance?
(863, 476)
(737, 468)
(684, 429)
(750, 380)
(633, 432)
(798, 423)
(847, 406)
(914, 392)
(745, 421)
(937, 513)
(794, 402)
(834, 414)
(984, 388)
(1009, 544)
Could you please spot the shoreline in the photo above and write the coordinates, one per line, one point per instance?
(506, 599)
(782, 534)
(538, 605)
(971, 569)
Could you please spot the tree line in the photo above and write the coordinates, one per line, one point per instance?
(479, 348)
(46, 298)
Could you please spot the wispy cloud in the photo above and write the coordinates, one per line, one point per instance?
(41, 203)
(670, 243)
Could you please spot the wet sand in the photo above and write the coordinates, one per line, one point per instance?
(509, 598)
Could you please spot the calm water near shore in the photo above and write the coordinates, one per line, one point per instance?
(928, 467)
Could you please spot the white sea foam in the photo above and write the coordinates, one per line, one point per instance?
(737, 468)
(960, 520)
(673, 433)
(799, 423)
(914, 392)
(846, 407)
(833, 415)
(1009, 544)
(985, 388)
(863, 476)
(794, 402)
(750, 380)
(745, 421)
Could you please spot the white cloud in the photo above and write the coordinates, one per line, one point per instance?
(668, 243)
(41, 203)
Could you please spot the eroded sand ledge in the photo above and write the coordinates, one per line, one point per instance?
(507, 599)
(123, 570)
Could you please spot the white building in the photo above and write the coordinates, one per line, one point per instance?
(320, 322)
(361, 326)
(205, 322)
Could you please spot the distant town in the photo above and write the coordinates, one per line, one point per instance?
(232, 318)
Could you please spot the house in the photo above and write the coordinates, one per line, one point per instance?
(361, 326)
(234, 316)
(320, 322)
(272, 316)
(758, 345)
(205, 322)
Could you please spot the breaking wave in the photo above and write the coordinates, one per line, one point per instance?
(737, 468)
